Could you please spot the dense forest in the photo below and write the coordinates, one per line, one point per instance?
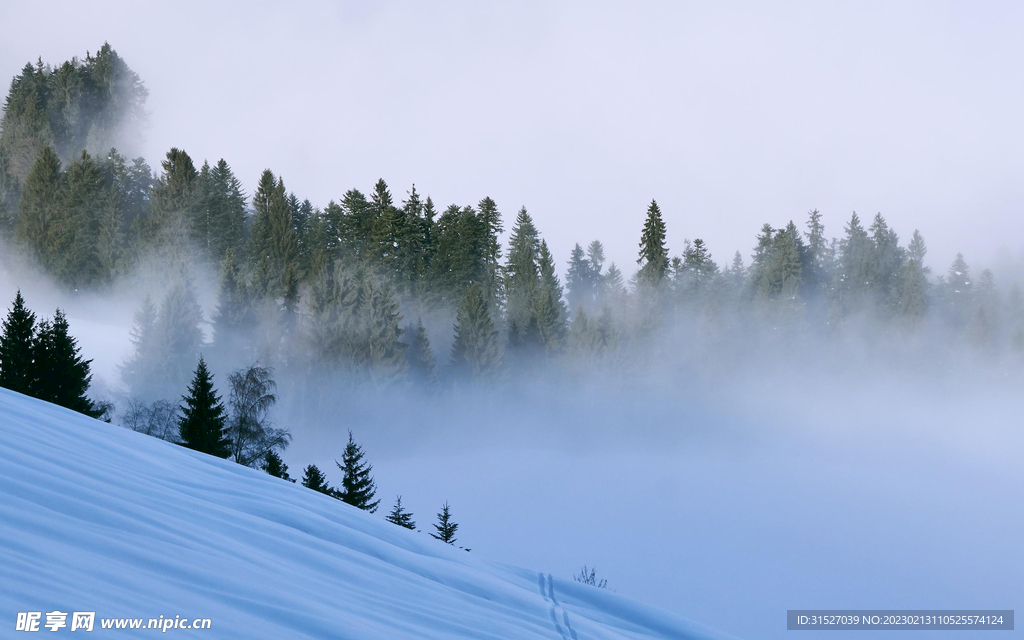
(392, 290)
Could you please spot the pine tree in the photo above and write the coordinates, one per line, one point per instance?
(697, 271)
(491, 227)
(235, 318)
(61, 374)
(653, 258)
(958, 291)
(17, 372)
(579, 280)
(400, 516)
(275, 466)
(854, 262)
(177, 341)
(202, 420)
(595, 255)
(225, 210)
(913, 300)
(76, 224)
(445, 527)
(357, 485)
(173, 200)
(549, 309)
(42, 199)
(521, 278)
(420, 357)
(475, 352)
(313, 478)
(815, 272)
(917, 250)
(385, 353)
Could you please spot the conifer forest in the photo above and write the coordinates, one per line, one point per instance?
(389, 341)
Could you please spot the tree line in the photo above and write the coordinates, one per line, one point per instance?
(42, 359)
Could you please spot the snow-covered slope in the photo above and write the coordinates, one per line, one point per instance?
(94, 517)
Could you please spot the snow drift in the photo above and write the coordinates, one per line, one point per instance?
(94, 517)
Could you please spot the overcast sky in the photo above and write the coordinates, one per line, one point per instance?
(729, 114)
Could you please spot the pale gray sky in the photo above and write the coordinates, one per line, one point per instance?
(730, 114)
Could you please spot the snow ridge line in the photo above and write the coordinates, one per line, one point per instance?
(555, 608)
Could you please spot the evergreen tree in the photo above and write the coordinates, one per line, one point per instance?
(653, 258)
(595, 254)
(77, 224)
(854, 263)
(235, 317)
(579, 280)
(886, 260)
(142, 363)
(549, 310)
(491, 227)
(475, 352)
(313, 478)
(356, 220)
(445, 527)
(913, 300)
(177, 341)
(17, 371)
(384, 350)
(697, 270)
(400, 516)
(357, 485)
(815, 272)
(521, 278)
(275, 466)
(420, 357)
(202, 420)
(958, 291)
(173, 199)
(916, 251)
(224, 207)
(38, 226)
(61, 374)
(459, 258)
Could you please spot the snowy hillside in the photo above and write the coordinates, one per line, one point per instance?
(94, 517)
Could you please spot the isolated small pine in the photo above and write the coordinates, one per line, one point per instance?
(400, 516)
(357, 486)
(445, 527)
(275, 466)
(202, 418)
(16, 347)
(313, 478)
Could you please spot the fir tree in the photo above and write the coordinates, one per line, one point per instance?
(61, 374)
(275, 466)
(579, 280)
(854, 261)
(39, 226)
(815, 271)
(491, 227)
(475, 352)
(357, 485)
(420, 357)
(313, 478)
(400, 516)
(445, 528)
(17, 372)
(521, 278)
(549, 309)
(913, 301)
(653, 258)
(202, 420)
(917, 250)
